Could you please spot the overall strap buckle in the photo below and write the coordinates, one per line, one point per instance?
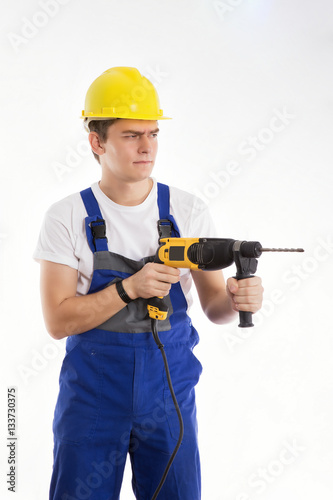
(98, 230)
(164, 227)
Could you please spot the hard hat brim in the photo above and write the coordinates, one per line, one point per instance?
(126, 116)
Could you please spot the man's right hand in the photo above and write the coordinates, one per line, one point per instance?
(153, 280)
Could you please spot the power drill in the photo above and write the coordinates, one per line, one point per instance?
(210, 254)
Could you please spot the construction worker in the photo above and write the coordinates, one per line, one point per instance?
(96, 252)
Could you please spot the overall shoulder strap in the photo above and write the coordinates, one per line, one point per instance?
(95, 224)
(167, 225)
(90, 203)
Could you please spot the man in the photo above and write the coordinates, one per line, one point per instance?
(96, 251)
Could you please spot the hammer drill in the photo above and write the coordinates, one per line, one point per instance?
(210, 254)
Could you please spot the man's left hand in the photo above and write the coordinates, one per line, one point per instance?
(246, 294)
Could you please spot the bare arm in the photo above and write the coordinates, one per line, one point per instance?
(219, 300)
(66, 314)
(214, 299)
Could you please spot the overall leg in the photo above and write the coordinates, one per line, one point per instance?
(155, 434)
(87, 472)
(92, 423)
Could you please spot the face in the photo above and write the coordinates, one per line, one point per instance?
(130, 149)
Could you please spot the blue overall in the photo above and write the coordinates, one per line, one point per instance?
(114, 397)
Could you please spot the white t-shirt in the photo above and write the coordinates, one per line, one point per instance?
(131, 231)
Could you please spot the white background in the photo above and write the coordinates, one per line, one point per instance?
(224, 71)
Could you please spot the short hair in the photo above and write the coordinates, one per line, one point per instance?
(101, 127)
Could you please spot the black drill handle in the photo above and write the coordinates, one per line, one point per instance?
(246, 264)
(245, 317)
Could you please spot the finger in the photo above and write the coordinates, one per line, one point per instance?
(172, 271)
(232, 285)
(247, 303)
(163, 274)
(247, 299)
(248, 307)
(249, 282)
(162, 290)
(166, 278)
(249, 292)
(250, 286)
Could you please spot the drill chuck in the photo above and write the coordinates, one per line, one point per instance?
(250, 249)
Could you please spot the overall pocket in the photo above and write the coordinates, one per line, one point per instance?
(185, 371)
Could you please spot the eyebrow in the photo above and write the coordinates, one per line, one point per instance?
(136, 132)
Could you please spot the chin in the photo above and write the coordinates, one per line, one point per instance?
(144, 170)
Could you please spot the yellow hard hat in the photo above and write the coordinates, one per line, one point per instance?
(122, 92)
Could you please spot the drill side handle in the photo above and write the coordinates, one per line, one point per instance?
(245, 317)
(245, 266)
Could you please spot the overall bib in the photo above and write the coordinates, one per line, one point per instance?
(114, 397)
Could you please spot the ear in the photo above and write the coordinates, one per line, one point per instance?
(95, 143)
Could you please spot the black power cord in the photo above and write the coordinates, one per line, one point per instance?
(181, 425)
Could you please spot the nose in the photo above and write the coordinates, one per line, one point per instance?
(144, 144)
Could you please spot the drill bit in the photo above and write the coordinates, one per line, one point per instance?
(282, 250)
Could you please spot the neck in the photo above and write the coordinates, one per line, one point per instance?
(127, 193)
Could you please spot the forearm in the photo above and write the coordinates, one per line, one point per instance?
(219, 308)
(76, 315)
(215, 301)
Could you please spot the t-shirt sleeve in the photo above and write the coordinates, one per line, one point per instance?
(55, 242)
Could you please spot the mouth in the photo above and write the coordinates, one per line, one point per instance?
(143, 162)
